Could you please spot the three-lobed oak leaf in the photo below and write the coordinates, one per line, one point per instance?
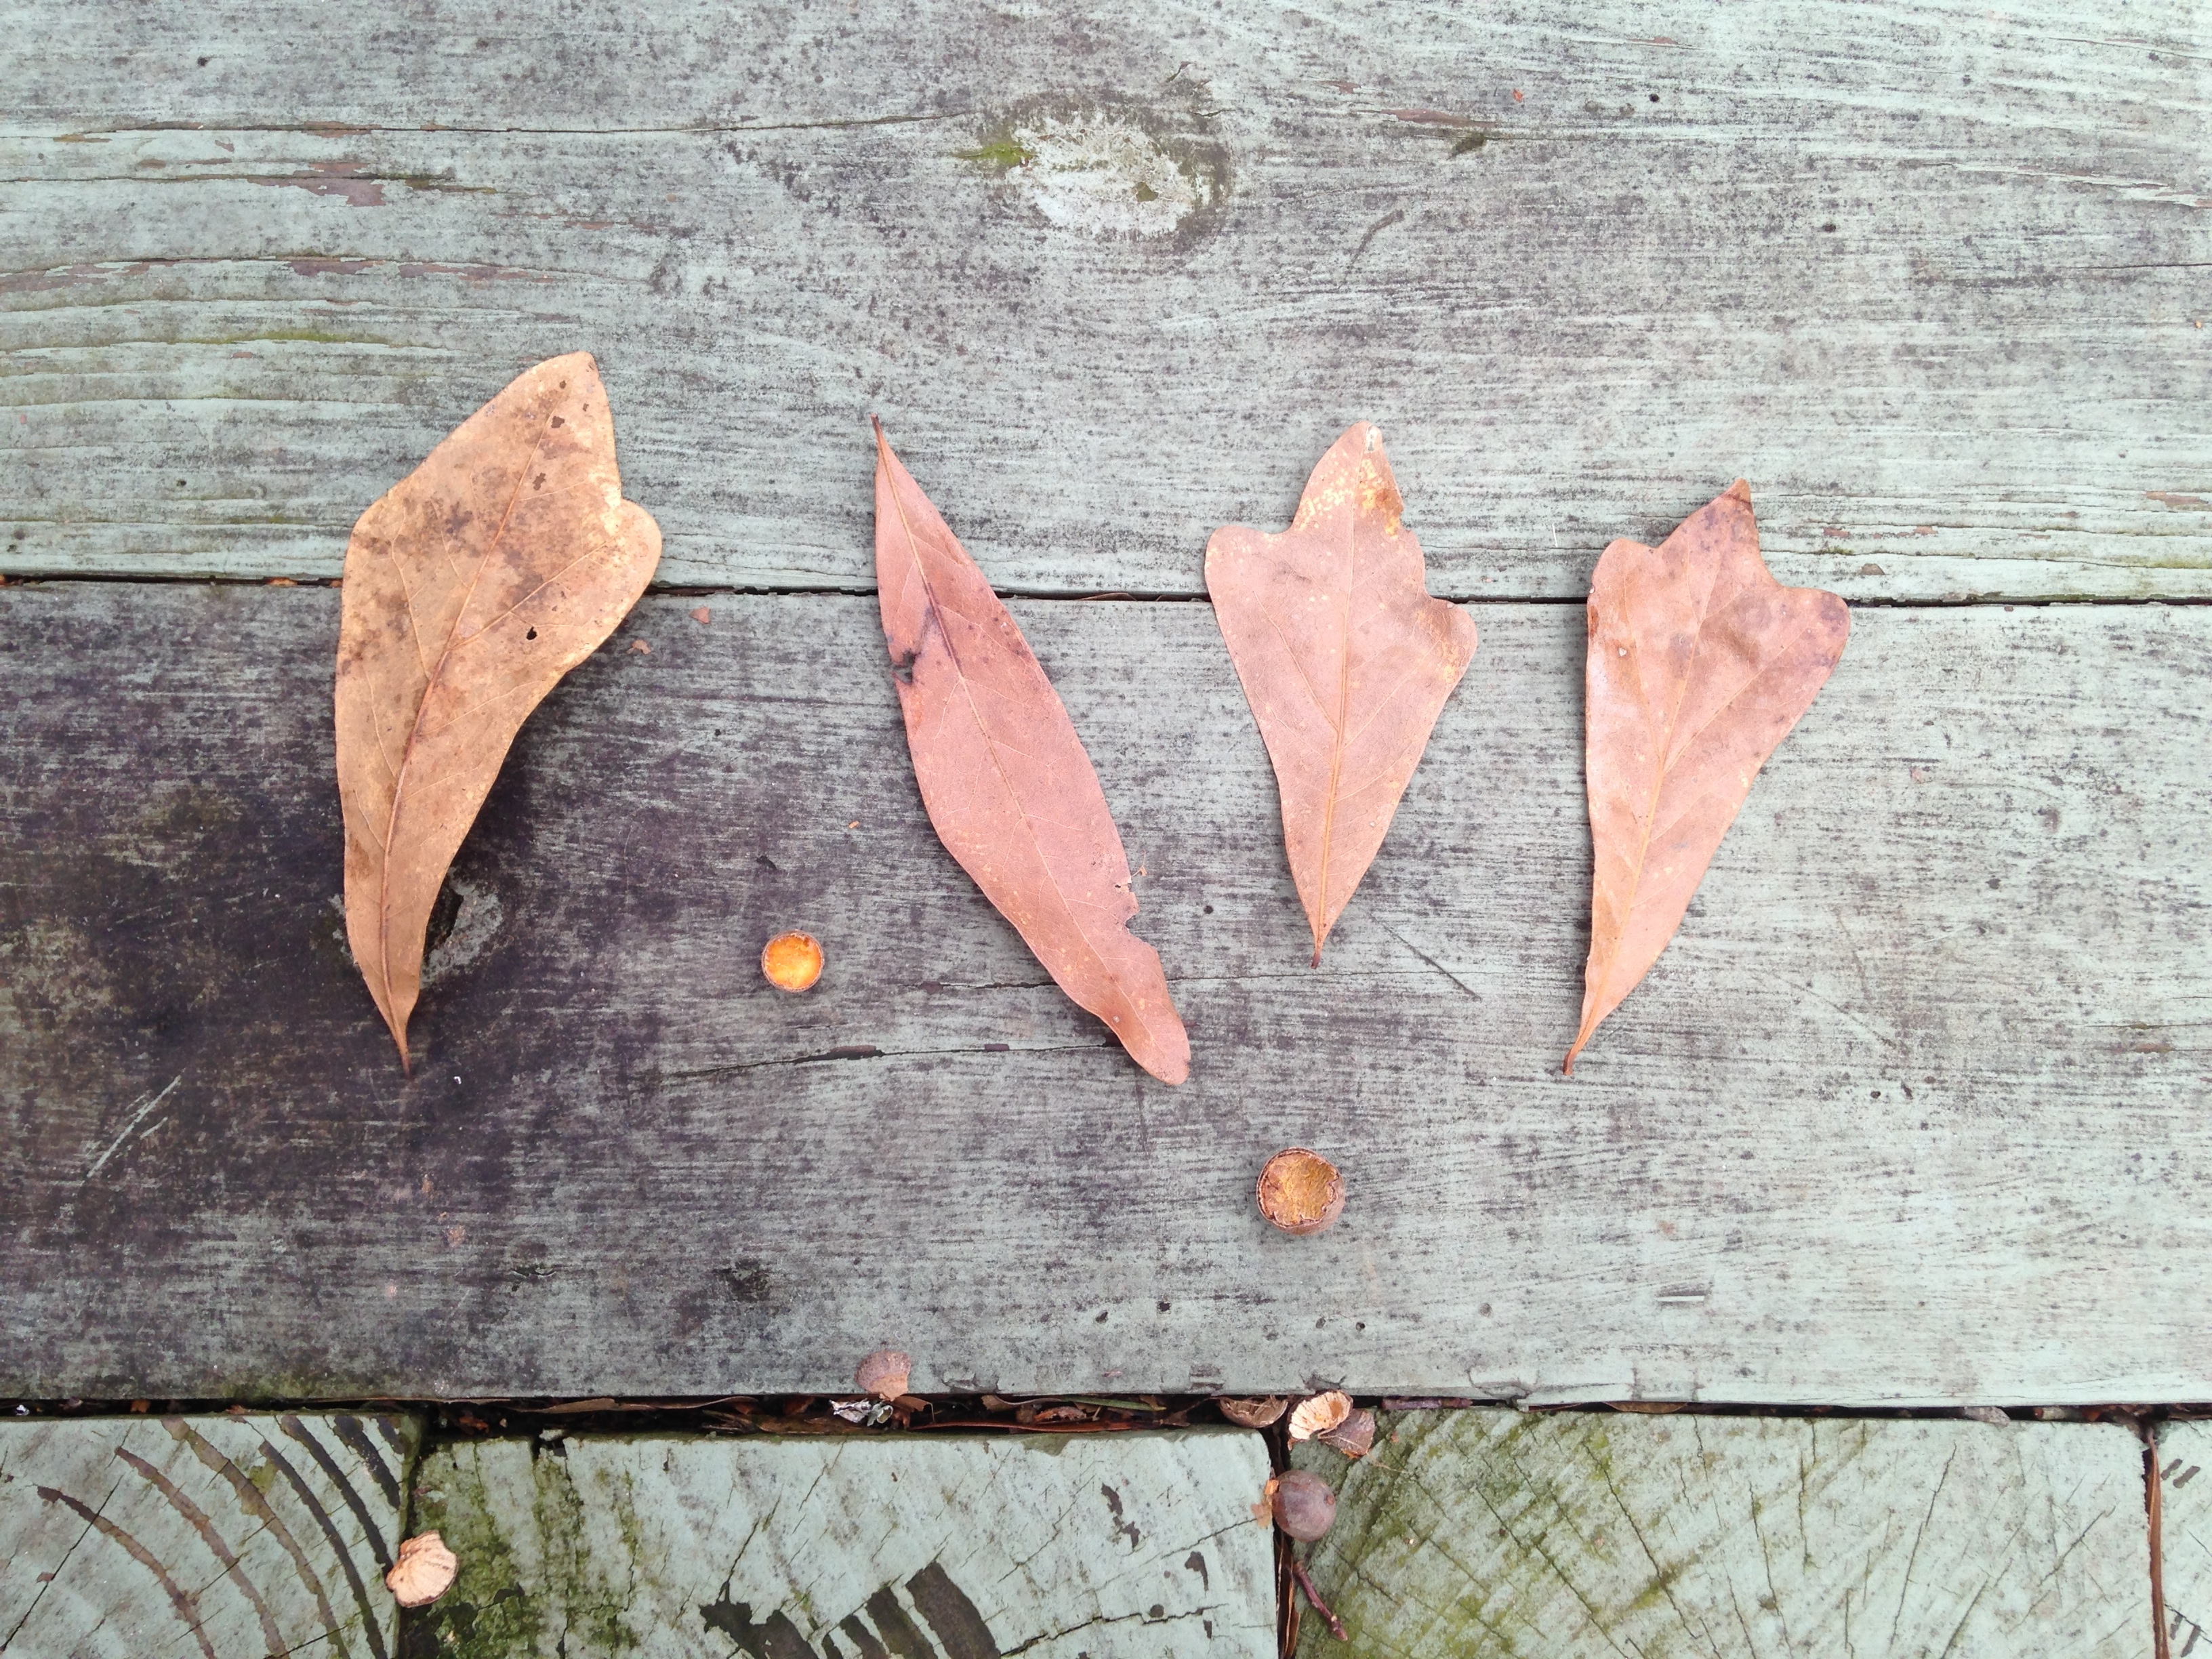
(470, 587)
(1699, 663)
(1005, 778)
(1346, 660)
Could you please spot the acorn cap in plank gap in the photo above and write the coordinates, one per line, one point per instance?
(1318, 1415)
(1253, 1413)
(1301, 1191)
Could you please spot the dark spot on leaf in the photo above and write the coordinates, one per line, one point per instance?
(531, 634)
(903, 667)
(558, 420)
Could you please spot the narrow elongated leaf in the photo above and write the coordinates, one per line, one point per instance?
(1699, 663)
(1005, 778)
(1346, 660)
(470, 588)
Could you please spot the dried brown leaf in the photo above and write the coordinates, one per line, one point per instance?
(1354, 1437)
(1699, 663)
(1006, 780)
(1346, 660)
(1320, 1414)
(470, 588)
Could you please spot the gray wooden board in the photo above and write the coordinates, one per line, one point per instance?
(1582, 1536)
(215, 1537)
(1910, 1110)
(2185, 1455)
(1932, 278)
(940, 1547)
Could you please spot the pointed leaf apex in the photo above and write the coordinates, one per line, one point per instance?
(1740, 490)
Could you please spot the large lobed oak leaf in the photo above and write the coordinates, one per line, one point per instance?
(1346, 660)
(1006, 780)
(470, 588)
(1699, 663)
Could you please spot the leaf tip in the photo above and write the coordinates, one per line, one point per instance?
(1740, 490)
(1567, 1066)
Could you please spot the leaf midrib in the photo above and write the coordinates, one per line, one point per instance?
(421, 706)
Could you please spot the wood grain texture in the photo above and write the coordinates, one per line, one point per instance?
(1583, 1534)
(1931, 277)
(213, 1537)
(2184, 1452)
(1140, 1546)
(1911, 1108)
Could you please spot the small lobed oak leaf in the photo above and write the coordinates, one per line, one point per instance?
(1253, 1413)
(423, 1571)
(1700, 663)
(1320, 1414)
(884, 1374)
(1345, 658)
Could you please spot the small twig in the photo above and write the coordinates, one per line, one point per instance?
(2161, 1630)
(1313, 1599)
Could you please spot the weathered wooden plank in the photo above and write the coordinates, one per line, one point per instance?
(207, 1536)
(1930, 276)
(1508, 1535)
(966, 1547)
(1910, 1110)
(2184, 1450)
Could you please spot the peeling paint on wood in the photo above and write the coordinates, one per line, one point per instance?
(1512, 1534)
(928, 1547)
(1911, 1111)
(1929, 276)
(215, 1537)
